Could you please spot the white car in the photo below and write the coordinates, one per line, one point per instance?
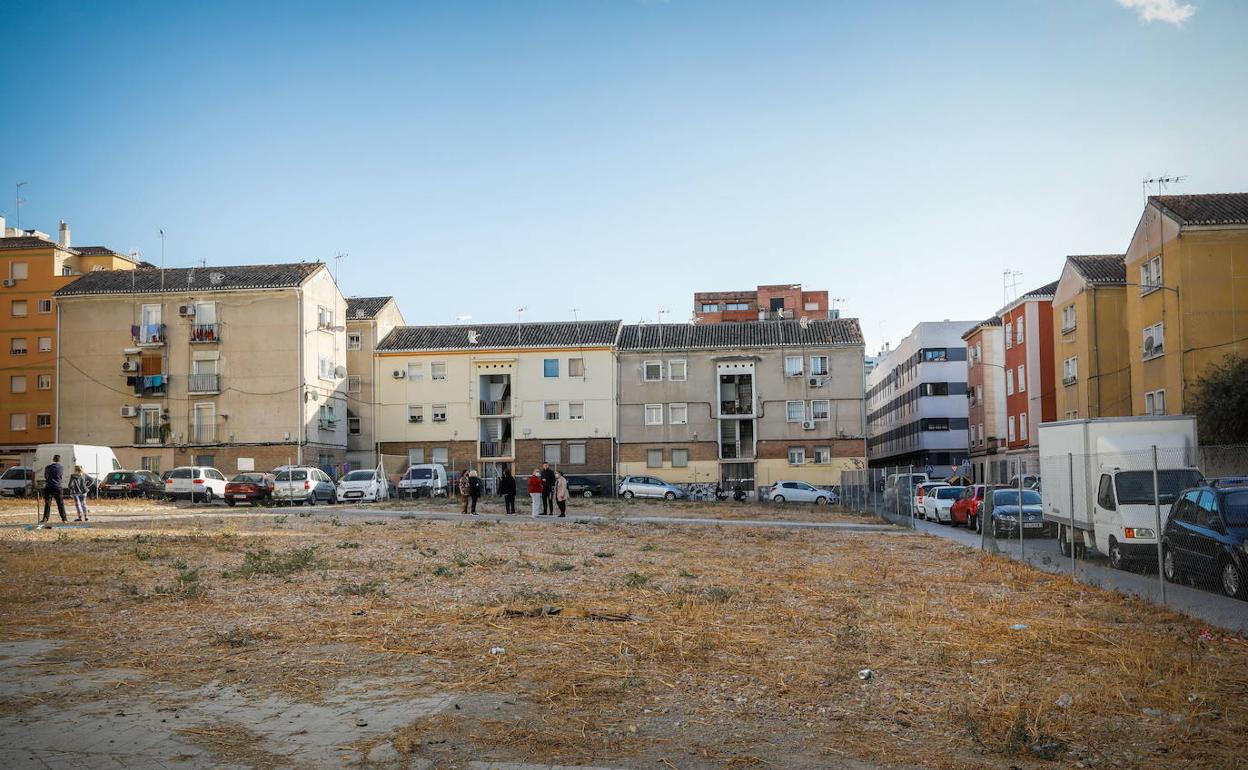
(18, 482)
(921, 491)
(363, 486)
(197, 483)
(303, 485)
(800, 492)
(938, 501)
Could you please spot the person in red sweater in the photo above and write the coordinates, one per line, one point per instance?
(535, 491)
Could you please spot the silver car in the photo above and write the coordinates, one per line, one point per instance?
(18, 482)
(649, 486)
(306, 485)
(800, 492)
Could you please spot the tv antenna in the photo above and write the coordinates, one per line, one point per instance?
(18, 200)
(337, 262)
(1009, 285)
(1161, 182)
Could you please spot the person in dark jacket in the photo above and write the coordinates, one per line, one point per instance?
(53, 489)
(507, 488)
(548, 490)
(79, 487)
(474, 490)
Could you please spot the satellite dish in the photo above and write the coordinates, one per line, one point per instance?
(216, 278)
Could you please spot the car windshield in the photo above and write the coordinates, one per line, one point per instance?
(1136, 487)
(360, 476)
(14, 473)
(1010, 497)
(420, 473)
(297, 475)
(249, 477)
(117, 477)
(1235, 508)
(948, 493)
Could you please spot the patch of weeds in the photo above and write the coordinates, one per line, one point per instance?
(648, 547)
(561, 551)
(143, 554)
(145, 539)
(635, 580)
(531, 595)
(718, 594)
(265, 562)
(179, 565)
(460, 559)
(304, 514)
(444, 571)
(603, 554)
(62, 537)
(335, 521)
(234, 637)
(186, 585)
(130, 589)
(686, 574)
(374, 523)
(370, 588)
(348, 544)
(556, 566)
(407, 516)
(280, 519)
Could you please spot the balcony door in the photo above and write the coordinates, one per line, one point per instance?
(204, 424)
(149, 425)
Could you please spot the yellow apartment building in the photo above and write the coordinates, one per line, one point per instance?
(1091, 354)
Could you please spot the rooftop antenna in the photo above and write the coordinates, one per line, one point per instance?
(18, 200)
(520, 311)
(835, 310)
(462, 319)
(337, 262)
(162, 258)
(660, 314)
(1161, 182)
(1009, 285)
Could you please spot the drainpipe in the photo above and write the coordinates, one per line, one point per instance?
(57, 404)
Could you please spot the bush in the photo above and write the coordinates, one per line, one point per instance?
(370, 588)
(265, 562)
(1219, 399)
(635, 580)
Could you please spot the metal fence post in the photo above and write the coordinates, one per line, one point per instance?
(1022, 549)
(1161, 572)
(1070, 457)
(910, 496)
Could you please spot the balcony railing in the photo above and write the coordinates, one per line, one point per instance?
(149, 384)
(736, 407)
(490, 449)
(202, 333)
(1069, 380)
(203, 383)
(732, 452)
(148, 434)
(494, 408)
(202, 433)
(148, 334)
(326, 424)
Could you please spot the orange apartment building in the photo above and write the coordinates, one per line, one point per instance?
(774, 302)
(1030, 395)
(33, 266)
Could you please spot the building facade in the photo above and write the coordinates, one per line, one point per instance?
(1091, 354)
(1187, 297)
(786, 301)
(33, 267)
(239, 368)
(917, 411)
(368, 321)
(985, 392)
(741, 404)
(491, 396)
(1030, 388)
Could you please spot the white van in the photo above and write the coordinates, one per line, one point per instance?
(96, 461)
(428, 479)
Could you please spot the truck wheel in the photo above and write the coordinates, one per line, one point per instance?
(1117, 559)
(1168, 566)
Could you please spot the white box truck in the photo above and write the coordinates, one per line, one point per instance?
(1112, 506)
(96, 461)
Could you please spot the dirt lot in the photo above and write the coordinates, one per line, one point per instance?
(611, 644)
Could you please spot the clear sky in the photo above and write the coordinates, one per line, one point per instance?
(616, 156)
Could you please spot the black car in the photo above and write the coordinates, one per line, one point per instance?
(1206, 536)
(583, 486)
(132, 484)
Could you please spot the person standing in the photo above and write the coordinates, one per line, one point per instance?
(535, 492)
(548, 490)
(561, 492)
(474, 490)
(507, 488)
(78, 489)
(462, 487)
(53, 475)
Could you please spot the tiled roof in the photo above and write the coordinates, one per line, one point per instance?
(100, 251)
(551, 334)
(183, 279)
(993, 321)
(26, 242)
(1100, 268)
(1211, 209)
(743, 334)
(1044, 291)
(365, 307)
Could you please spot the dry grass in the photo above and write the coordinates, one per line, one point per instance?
(742, 646)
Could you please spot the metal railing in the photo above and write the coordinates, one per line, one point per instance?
(204, 383)
(202, 433)
(151, 384)
(148, 334)
(205, 333)
(736, 407)
(487, 408)
(147, 434)
(493, 449)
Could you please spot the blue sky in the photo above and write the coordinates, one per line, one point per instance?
(615, 157)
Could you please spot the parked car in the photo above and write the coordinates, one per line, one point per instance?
(1007, 512)
(196, 483)
(250, 487)
(363, 486)
(132, 484)
(649, 486)
(1207, 536)
(938, 502)
(968, 506)
(427, 479)
(798, 492)
(583, 486)
(17, 481)
(923, 490)
(1229, 481)
(304, 485)
(1030, 481)
(901, 486)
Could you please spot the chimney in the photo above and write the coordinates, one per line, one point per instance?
(63, 241)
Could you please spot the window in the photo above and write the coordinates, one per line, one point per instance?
(45, 306)
(18, 271)
(677, 370)
(1150, 275)
(353, 383)
(982, 435)
(1011, 428)
(677, 414)
(441, 455)
(797, 455)
(17, 384)
(1018, 330)
(353, 341)
(576, 454)
(576, 410)
(326, 369)
(353, 426)
(821, 409)
(1154, 340)
(973, 436)
(324, 317)
(737, 306)
(706, 308)
(205, 316)
(1022, 427)
(1105, 493)
(415, 413)
(327, 415)
(18, 308)
(795, 411)
(654, 414)
(818, 366)
(550, 367)
(979, 393)
(552, 453)
(1022, 378)
(415, 371)
(1155, 402)
(823, 455)
(792, 366)
(416, 456)
(1070, 370)
(44, 382)
(1009, 382)
(550, 410)
(17, 346)
(17, 422)
(438, 413)
(576, 367)
(680, 458)
(652, 371)
(151, 464)
(204, 460)
(811, 305)
(935, 354)
(1009, 338)
(654, 458)
(1068, 318)
(437, 370)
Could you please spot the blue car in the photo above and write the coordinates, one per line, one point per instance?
(1206, 536)
(1006, 512)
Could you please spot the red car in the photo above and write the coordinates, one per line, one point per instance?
(254, 488)
(966, 507)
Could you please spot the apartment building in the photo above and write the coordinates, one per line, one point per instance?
(1187, 303)
(748, 403)
(33, 267)
(1091, 354)
(772, 302)
(917, 411)
(1030, 387)
(236, 367)
(985, 392)
(369, 320)
(490, 396)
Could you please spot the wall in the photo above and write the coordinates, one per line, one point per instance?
(319, 290)
(1103, 379)
(362, 446)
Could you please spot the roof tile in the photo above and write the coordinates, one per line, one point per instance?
(550, 334)
(742, 334)
(1100, 268)
(183, 279)
(1209, 209)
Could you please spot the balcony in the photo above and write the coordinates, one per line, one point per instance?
(205, 333)
(201, 433)
(154, 385)
(148, 434)
(494, 408)
(734, 452)
(203, 383)
(148, 335)
(328, 425)
(1071, 380)
(736, 408)
(488, 450)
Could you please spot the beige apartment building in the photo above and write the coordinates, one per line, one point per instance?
(490, 396)
(238, 367)
(742, 403)
(985, 398)
(369, 320)
(1091, 351)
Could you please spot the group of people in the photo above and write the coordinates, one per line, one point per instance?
(548, 489)
(54, 487)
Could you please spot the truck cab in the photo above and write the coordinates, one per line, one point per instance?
(1125, 513)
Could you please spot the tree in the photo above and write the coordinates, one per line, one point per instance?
(1219, 399)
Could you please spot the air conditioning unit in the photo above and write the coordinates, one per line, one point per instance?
(808, 425)
(186, 311)
(129, 411)
(399, 374)
(9, 283)
(818, 382)
(129, 366)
